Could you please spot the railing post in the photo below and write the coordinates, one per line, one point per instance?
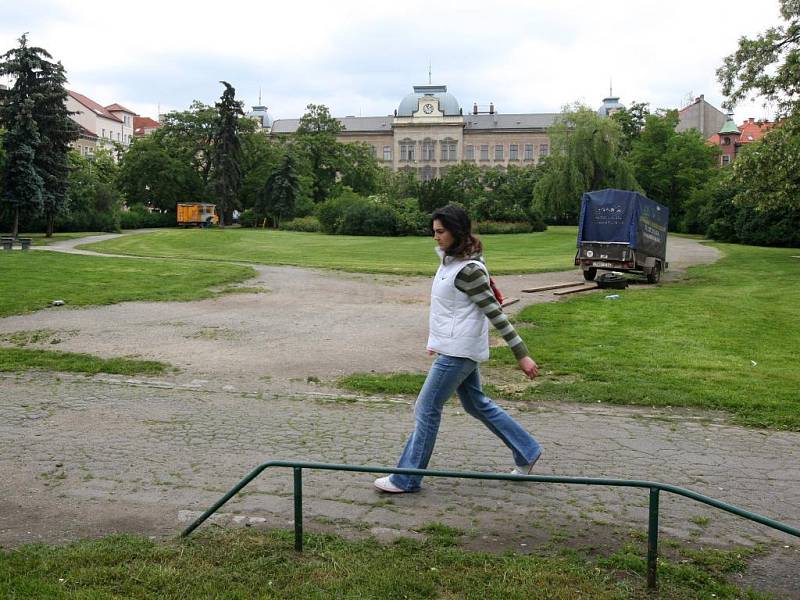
(652, 539)
(298, 509)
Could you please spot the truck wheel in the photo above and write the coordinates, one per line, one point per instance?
(590, 273)
(654, 275)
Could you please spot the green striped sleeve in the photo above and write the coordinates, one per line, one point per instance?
(474, 282)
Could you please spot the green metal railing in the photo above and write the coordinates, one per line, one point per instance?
(653, 487)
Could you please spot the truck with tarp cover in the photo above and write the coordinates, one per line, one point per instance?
(619, 230)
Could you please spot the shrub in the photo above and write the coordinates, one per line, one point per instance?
(330, 212)
(139, 217)
(503, 227)
(247, 218)
(368, 217)
(307, 224)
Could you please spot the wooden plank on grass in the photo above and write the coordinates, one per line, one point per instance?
(553, 286)
(509, 301)
(583, 288)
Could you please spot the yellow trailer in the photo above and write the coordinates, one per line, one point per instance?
(197, 213)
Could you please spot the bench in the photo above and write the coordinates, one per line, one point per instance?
(8, 243)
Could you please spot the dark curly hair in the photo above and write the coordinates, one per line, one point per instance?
(456, 221)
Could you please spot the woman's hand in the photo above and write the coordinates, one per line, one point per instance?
(529, 367)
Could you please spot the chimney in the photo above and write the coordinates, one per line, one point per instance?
(751, 119)
(491, 108)
(474, 108)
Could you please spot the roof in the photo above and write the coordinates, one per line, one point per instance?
(142, 123)
(94, 106)
(729, 128)
(471, 122)
(510, 121)
(350, 124)
(753, 130)
(118, 108)
(85, 133)
(448, 103)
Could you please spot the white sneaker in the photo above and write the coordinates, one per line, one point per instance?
(526, 470)
(385, 485)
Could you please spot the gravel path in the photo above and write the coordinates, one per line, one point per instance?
(86, 456)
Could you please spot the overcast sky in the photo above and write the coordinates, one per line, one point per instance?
(361, 58)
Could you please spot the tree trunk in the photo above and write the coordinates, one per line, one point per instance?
(50, 225)
(15, 229)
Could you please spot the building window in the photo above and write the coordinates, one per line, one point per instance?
(408, 151)
(448, 150)
(498, 152)
(726, 141)
(528, 151)
(387, 153)
(544, 149)
(104, 133)
(726, 160)
(484, 151)
(469, 152)
(428, 149)
(513, 152)
(426, 173)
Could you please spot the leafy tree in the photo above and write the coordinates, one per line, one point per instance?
(226, 170)
(150, 175)
(189, 135)
(261, 155)
(508, 194)
(398, 184)
(768, 65)
(279, 196)
(358, 168)
(670, 165)
(766, 173)
(631, 121)
(94, 199)
(465, 180)
(316, 136)
(585, 157)
(434, 194)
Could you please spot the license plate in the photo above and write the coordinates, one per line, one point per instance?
(600, 263)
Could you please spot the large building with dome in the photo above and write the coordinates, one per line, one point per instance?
(430, 131)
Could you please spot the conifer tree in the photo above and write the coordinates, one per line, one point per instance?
(39, 132)
(226, 170)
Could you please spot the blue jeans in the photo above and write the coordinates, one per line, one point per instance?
(447, 375)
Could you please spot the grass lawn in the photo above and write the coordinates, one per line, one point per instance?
(245, 564)
(32, 280)
(725, 338)
(22, 359)
(551, 250)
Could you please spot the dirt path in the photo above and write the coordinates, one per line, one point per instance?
(311, 323)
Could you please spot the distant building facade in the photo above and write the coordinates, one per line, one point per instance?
(143, 126)
(109, 125)
(429, 132)
(702, 116)
(731, 138)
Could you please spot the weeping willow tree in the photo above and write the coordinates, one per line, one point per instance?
(585, 156)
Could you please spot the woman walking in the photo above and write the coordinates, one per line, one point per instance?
(462, 305)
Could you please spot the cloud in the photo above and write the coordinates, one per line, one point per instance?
(362, 57)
